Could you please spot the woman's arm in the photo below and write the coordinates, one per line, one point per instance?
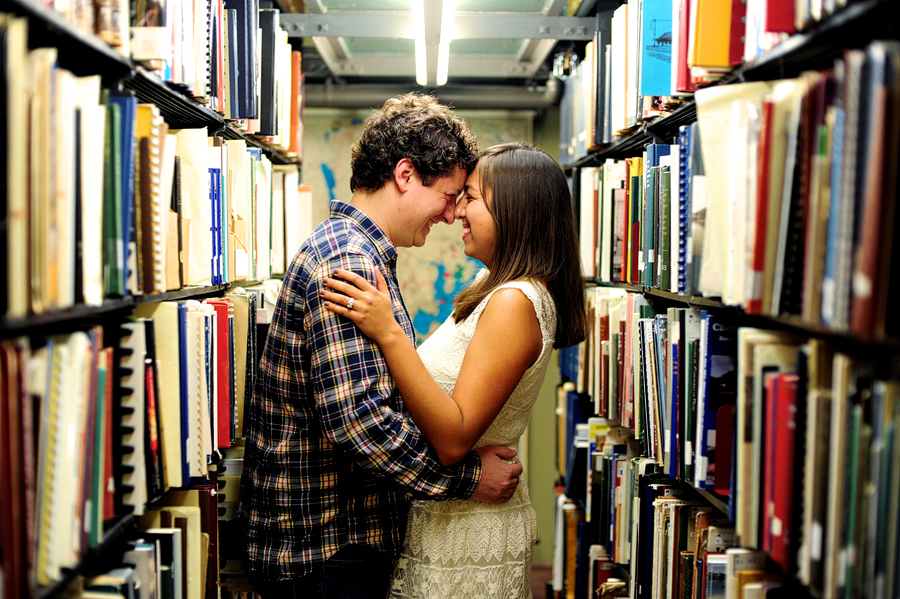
(507, 341)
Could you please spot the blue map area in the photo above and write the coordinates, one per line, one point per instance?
(443, 297)
(329, 181)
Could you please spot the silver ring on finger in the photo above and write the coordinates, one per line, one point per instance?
(350, 303)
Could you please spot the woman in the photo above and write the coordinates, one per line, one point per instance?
(474, 381)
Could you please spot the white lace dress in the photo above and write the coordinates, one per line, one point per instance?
(468, 549)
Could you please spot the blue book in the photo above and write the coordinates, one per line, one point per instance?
(246, 105)
(718, 387)
(568, 363)
(215, 198)
(673, 395)
(185, 417)
(656, 48)
(209, 366)
(578, 408)
(834, 209)
(660, 336)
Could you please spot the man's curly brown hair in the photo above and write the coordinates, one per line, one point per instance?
(413, 126)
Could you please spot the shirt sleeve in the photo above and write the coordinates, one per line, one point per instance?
(357, 402)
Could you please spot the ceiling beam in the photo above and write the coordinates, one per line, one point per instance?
(495, 67)
(466, 25)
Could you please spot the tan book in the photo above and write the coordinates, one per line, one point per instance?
(165, 331)
(17, 111)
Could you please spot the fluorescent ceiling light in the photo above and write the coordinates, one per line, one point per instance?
(443, 66)
(444, 36)
(419, 29)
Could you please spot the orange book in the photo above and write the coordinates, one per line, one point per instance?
(296, 104)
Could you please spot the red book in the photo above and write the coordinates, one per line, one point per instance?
(783, 477)
(738, 29)
(296, 130)
(877, 197)
(779, 16)
(724, 449)
(683, 72)
(626, 227)
(758, 260)
(603, 391)
(223, 372)
(620, 380)
(209, 525)
(109, 486)
(12, 532)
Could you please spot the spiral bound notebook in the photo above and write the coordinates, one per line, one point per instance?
(196, 397)
(151, 131)
(684, 205)
(129, 414)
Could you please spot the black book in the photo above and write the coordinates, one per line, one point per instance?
(268, 105)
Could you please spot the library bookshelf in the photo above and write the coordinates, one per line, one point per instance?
(728, 429)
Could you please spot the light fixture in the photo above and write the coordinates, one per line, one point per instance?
(443, 66)
(432, 30)
(419, 29)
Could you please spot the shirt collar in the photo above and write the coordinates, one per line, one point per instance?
(386, 249)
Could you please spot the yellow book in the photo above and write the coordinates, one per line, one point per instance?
(710, 35)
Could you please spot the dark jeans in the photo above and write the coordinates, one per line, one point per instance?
(354, 572)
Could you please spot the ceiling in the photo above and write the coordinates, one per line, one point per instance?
(358, 52)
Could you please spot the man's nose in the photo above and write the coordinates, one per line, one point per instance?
(448, 214)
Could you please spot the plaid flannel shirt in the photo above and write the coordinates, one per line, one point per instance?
(331, 456)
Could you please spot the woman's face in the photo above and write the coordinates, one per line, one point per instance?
(479, 233)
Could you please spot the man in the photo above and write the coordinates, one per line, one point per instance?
(331, 458)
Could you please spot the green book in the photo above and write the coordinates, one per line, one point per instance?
(665, 224)
(691, 342)
(687, 574)
(113, 277)
(691, 416)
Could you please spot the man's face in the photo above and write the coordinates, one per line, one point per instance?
(425, 206)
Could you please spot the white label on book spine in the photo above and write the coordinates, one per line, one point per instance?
(815, 543)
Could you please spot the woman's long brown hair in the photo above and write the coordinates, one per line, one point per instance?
(536, 235)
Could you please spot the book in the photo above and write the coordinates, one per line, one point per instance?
(15, 197)
(717, 390)
(879, 146)
(130, 413)
(151, 130)
(247, 22)
(268, 26)
(165, 319)
(758, 351)
(656, 48)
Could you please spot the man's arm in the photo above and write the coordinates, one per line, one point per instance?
(353, 390)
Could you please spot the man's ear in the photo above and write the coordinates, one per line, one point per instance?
(403, 172)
